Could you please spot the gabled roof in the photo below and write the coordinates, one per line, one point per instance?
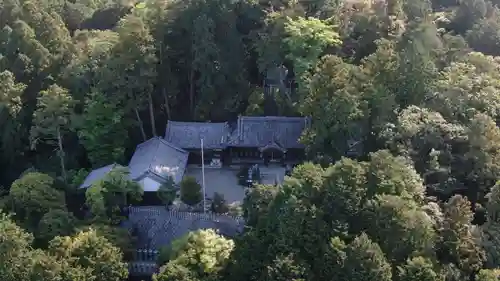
(98, 174)
(158, 158)
(260, 131)
(156, 226)
(188, 135)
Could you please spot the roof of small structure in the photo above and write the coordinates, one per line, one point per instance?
(260, 131)
(158, 158)
(188, 135)
(98, 174)
(156, 226)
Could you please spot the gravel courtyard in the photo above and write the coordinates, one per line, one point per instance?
(224, 180)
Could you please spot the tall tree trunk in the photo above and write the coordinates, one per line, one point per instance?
(141, 125)
(167, 105)
(191, 91)
(61, 154)
(152, 115)
(163, 91)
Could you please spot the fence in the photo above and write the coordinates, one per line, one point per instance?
(157, 211)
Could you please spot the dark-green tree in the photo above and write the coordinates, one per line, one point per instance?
(190, 191)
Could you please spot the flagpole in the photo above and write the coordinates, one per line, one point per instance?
(203, 175)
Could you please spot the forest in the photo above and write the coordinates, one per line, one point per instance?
(415, 84)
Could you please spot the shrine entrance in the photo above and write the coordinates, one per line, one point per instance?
(272, 153)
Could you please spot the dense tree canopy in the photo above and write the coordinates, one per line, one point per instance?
(403, 148)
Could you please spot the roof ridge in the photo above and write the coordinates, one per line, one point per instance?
(281, 118)
(153, 159)
(145, 142)
(164, 141)
(194, 122)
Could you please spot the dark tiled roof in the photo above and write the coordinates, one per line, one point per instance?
(156, 226)
(159, 158)
(259, 131)
(187, 135)
(97, 174)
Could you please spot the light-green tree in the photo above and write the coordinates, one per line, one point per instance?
(10, 93)
(199, 256)
(102, 130)
(457, 243)
(418, 268)
(107, 197)
(335, 106)
(411, 231)
(488, 274)
(305, 40)
(133, 60)
(14, 247)
(52, 119)
(90, 253)
(366, 261)
(116, 235)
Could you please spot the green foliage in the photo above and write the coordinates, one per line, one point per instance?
(10, 93)
(15, 243)
(103, 130)
(366, 261)
(256, 203)
(490, 239)
(219, 204)
(34, 195)
(91, 253)
(117, 236)
(77, 177)
(18, 261)
(55, 223)
(334, 105)
(191, 193)
(107, 197)
(418, 268)
(286, 268)
(345, 189)
(52, 119)
(201, 255)
(305, 41)
(460, 95)
(394, 175)
(235, 209)
(458, 244)
(163, 255)
(167, 192)
(410, 229)
(488, 275)
(408, 88)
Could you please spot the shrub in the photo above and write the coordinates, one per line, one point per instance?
(191, 191)
(235, 209)
(163, 255)
(55, 223)
(219, 204)
(167, 191)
